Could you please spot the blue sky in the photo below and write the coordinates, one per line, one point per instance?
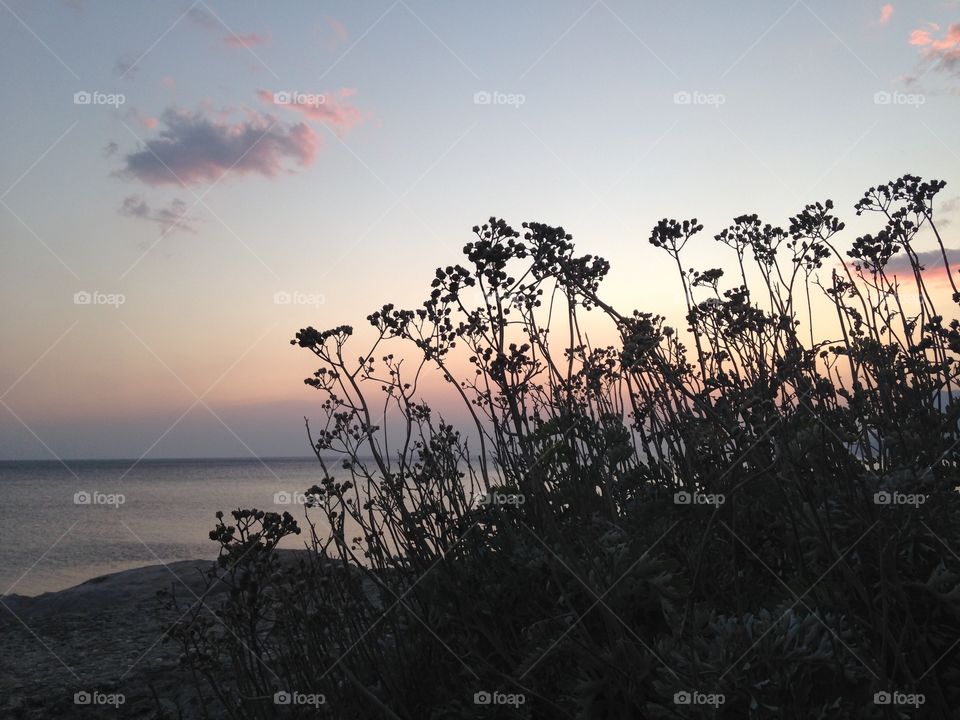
(602, 116)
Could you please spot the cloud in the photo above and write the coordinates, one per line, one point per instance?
(886, 12)
(142, 119)
(947, 207)
(921, 36)
(930, 260)
(943, 54)
(170, 218)
(339, 34)
(924, 37)
(127, 66)
(202, 18)
(951, 204)
(247, 41)
(936, 54)
(192, 148)
(330, 109)
(209, 22)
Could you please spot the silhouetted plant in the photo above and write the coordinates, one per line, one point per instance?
(770, 515)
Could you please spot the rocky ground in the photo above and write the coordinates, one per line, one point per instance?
(104, 636)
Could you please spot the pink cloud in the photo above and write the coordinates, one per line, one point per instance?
(144, 120)
(943, 53)
(339, 31)
(339, 28)
(211, 23)
(886, 12)
(951, 40)
(193, 148)
(247, 41)
(923, 37)
(329, 109)
(168, 82)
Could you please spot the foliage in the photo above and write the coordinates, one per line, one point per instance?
(769, 515)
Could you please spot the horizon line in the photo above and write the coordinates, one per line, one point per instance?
(261, 458)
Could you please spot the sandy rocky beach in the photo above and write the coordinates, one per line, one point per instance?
(101, 636)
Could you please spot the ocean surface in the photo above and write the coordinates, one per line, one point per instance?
(60, 526)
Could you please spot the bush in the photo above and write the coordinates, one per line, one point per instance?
(763, 524)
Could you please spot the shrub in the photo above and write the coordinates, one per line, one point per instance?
(745, 517)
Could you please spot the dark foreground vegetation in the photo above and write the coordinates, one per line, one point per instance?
(748, 517)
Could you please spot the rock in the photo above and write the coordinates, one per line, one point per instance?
(103, 637)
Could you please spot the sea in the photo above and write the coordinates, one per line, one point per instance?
(62, 524)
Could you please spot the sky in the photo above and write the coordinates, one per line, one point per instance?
(185, 185)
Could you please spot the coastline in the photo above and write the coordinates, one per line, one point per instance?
(104, 635)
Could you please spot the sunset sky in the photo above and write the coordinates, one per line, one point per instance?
(182, 164)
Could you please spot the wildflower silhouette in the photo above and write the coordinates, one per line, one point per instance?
(764, 524)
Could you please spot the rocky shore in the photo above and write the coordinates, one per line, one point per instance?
(77, 652)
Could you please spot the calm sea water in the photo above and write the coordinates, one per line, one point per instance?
(50, 539)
